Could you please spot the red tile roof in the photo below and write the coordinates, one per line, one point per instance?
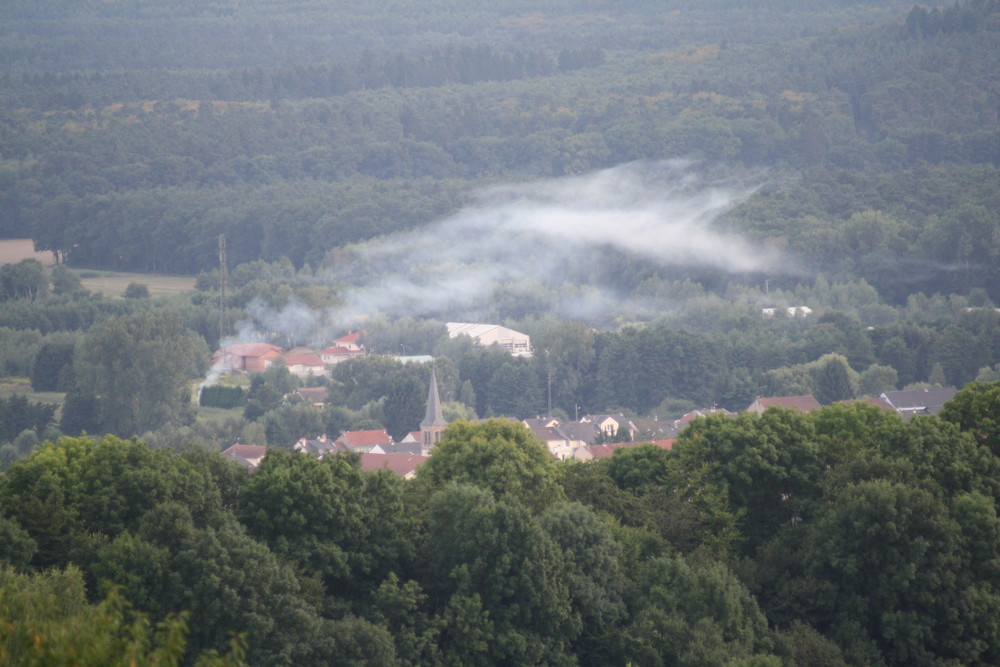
(364, 438)
(401, 464)
(246, 451)
(250, 350)
(603, 451)
(349, 338)
(304, 359)
(805, 403)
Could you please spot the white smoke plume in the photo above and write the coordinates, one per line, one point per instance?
(549, 234)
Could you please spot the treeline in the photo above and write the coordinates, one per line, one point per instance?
(440, 66)
(842, 537)
(711, 346)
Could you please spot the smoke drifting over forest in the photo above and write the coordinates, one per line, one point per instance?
(544, 236)
(550, 234)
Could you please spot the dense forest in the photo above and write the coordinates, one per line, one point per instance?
(685, 205)
(134, 136)
(845, 536)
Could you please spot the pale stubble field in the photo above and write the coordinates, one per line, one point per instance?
(110, 283)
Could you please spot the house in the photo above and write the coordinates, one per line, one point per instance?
(363, 442)
(411, 437)
(335, 354)
(313, 395)
(554, 441)
(350, 341)
(608, 424)
(805, 403)
(404, 465)
(563, 440)
(246, 357)
(791, 311)
(306, 364)
(579, 434)
(515, 342)
(248, 456)
(545, 422)
(318, 447)
(926, 401)
(401, 447)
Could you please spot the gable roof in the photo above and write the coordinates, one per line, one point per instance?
(547, 434)
(928, 400)
(603, 451)
(351, 338)
(303, 359)
(542, 421)
(354, 439)
(250, 350)
(579, 431)
(403, 465)
(314, 394)
(806, 403)
(248, 456)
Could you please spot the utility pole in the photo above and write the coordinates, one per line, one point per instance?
(224, 324)
(548, 372)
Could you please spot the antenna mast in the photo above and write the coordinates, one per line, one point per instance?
(224, 325)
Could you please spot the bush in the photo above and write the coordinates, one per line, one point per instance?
(219, 396)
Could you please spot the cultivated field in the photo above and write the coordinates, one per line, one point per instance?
(113, 283)
(110, 283)
(13, 251)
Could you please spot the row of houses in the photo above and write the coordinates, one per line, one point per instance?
(907, 403)
(301, 361)
(592, 437)
(305, 362)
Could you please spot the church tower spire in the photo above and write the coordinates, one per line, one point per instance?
(433, 423)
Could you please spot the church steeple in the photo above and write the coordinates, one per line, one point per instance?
(433, 423)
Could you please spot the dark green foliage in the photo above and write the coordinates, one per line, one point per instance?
(286, 424)
(80, 414)
(976, 410)
(494, 558)
(221, 396)
(140, 368)
(404, 407)
(18, 414)
(136, 291)
(52, 369)
(832, 380)
(25, 280)
(769, 465)
(346, 528)
(500, 456)
(693, 614)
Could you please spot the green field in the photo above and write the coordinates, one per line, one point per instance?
(112, 283)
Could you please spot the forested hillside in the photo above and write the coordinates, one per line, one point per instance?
(135, 134)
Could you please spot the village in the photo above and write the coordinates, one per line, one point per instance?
(592, 436)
